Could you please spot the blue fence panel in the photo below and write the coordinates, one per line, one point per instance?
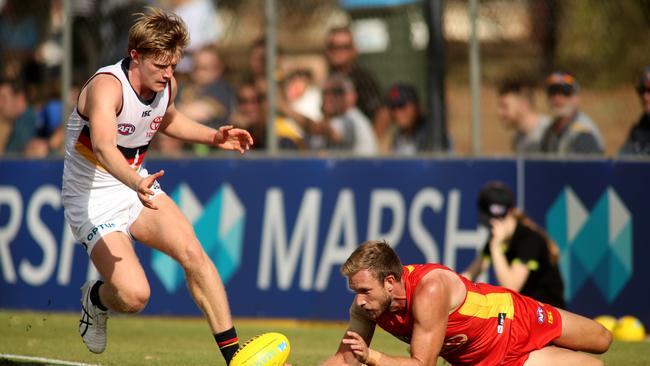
(597, 212)
(278, 230)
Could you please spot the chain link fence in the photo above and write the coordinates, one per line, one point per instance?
(603, 43)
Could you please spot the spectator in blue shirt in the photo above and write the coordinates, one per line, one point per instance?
(17, 119)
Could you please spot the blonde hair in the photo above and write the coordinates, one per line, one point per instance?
(158, 34)
(377, 257)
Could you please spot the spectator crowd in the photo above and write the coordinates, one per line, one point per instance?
(348, 112)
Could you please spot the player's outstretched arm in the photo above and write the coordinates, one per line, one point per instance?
(178, 125)
(431, 304)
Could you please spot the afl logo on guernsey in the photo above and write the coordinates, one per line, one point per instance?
(540, 315)
(125, 129)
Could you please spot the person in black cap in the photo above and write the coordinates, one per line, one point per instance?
(523, 256)
(571, 131)
(413, 133)
(638, 142)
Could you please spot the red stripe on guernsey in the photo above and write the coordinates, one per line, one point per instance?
(228, 342)
(133, 155)
(84, 138)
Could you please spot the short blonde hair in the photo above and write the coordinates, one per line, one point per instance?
(158, 34)
(377, 257)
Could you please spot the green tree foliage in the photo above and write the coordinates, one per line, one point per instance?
(604, 42)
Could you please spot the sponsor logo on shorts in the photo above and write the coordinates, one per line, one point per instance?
(98, 228)
(549, 316)
(125, 129)
(540, 315)
(500, 322)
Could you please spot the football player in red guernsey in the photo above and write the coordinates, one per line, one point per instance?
(440, 313)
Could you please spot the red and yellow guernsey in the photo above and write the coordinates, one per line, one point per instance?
(493, 325)
(137, 123)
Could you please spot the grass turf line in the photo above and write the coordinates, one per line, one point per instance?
(145, 340)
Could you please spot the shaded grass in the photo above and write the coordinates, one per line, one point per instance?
(143, 340)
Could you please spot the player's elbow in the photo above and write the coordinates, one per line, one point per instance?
(101, 151)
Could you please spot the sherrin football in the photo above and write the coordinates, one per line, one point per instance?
(268, 349)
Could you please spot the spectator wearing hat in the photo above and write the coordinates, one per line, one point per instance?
(571, 131)
(638, 142)
(523, 256)
(516, 108)
(413, 134)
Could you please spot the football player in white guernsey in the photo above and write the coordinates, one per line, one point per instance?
(110, 200)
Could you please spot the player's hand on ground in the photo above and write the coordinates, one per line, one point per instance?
(357, 345)
(144, 190)
(230, 138)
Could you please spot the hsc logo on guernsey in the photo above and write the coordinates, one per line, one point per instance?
(219, 226)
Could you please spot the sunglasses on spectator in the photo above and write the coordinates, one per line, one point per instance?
(339, 46)
(563, 89)
(334, 91)
(643, 89)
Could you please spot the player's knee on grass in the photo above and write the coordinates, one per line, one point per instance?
(604, 341)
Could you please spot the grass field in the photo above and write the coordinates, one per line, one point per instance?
(142, 340)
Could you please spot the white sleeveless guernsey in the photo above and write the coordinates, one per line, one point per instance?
(137, 123)
(96, 203)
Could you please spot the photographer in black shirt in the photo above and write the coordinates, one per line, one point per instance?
(524, 258)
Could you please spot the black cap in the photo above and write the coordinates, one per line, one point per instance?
(494, 201)
(399, 94)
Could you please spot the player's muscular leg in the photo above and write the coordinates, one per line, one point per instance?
(126, 288)
(167, 230)
(558, 356)
(583, 334)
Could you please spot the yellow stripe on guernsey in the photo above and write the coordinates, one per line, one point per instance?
(487, 306)
(89, 155)
(410, 268)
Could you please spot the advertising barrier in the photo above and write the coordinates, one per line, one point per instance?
(278, 230)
